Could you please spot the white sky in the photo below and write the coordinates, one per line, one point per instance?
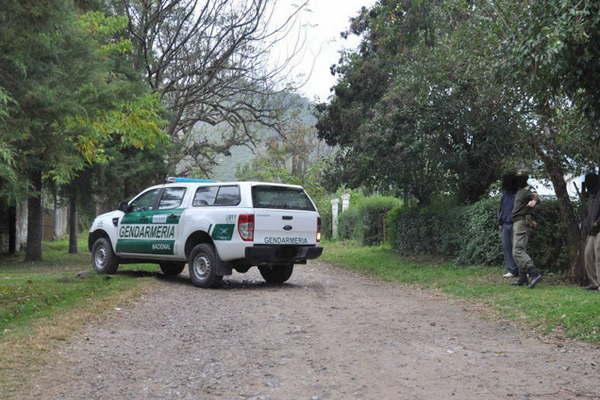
(321, 24)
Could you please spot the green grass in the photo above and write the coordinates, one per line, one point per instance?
(552, 306)
(30, 291)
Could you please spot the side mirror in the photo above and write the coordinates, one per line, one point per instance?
(124, 206)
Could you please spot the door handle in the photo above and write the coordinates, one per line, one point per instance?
(172, 216)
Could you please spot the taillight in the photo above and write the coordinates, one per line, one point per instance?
(246, 227)
(318, 229)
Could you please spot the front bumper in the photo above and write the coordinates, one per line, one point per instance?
(257, 255)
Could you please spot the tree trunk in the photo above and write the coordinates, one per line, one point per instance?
(55, 234)
(33, 251)
(575, 242)
(73, 221)
(12, 230)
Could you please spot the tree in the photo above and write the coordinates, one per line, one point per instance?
(8, 178)
(208, 63)
(120, 113)
(470, 88)
(539, 52)
(295, 158)
(415, 108)
(65, 106)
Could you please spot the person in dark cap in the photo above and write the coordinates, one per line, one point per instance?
(505, 223)
(590, 228)
(525, 202)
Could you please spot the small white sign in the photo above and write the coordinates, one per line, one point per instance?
(159, 219)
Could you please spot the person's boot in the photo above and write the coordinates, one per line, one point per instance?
(535, 276)
(522, 281)
(522, 278)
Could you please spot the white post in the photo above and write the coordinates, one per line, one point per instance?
(334, 218)
(345, 201)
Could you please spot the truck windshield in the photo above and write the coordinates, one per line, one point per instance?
(280, 197)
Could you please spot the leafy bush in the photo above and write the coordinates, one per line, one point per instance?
(325, 213)
(348, 224)
(549, 243)
(479, 241)
(365, 220)
(425, 230)
(470, 233)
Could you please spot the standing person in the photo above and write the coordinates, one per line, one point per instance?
(505, 222)
(590, 227)
(525, 201)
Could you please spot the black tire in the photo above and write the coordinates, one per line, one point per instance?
(276, 274)
(104, 260)
(203, 265)
(172, 269)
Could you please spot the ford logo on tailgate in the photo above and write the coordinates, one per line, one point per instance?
(287, 228)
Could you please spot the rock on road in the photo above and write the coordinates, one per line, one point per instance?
(327, 334)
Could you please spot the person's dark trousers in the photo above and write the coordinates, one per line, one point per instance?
(506, 234)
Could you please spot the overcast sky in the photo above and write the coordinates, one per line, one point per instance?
(321, 24)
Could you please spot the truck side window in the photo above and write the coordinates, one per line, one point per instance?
(205, 196)
(171, 198)
(228, 196)
(145, 202)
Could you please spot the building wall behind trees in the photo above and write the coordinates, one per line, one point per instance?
(13, 224)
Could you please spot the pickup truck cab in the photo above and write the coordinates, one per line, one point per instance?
(213, 227)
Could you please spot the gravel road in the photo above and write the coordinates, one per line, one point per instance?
(327, 334)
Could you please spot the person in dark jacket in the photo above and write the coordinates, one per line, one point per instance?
(590, 227)
(505, 223)
(525, 201)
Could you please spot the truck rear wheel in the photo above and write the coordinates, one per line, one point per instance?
(276, 274)
(203, 263)
(172, 269)
(104, 259)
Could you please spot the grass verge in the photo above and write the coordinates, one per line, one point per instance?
(43, 303)
(553, 306)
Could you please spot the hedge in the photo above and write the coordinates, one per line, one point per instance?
(366, 220)
(470, 234)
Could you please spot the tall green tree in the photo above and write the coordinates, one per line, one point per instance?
(547, 51)
(8, 178)
(453, 91)
(57, 69)
(416, 110)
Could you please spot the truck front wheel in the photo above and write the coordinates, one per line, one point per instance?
(203, 266)
(104, 259)
(276, 274)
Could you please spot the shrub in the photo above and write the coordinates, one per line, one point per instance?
(470, 233)
(365, 220)
(425, 231)
(480, 237)
(324, 207)
(349, 223)
(372, 218)
(548, 244)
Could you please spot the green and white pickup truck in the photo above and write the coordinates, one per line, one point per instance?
(213, 227)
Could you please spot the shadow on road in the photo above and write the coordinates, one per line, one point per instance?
(138, 273)
(229, 283)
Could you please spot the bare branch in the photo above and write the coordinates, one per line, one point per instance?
(209, 62)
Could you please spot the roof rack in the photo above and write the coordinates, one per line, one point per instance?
(173, 179)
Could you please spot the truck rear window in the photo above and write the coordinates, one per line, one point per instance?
(280, 197)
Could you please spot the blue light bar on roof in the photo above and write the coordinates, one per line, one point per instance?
(173, 179)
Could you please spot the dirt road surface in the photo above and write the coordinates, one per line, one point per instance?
(327, 334)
